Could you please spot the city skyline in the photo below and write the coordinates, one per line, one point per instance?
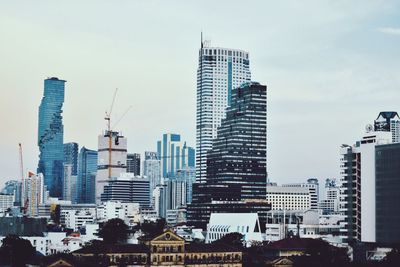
(350, 86)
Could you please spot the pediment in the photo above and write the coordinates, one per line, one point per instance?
(168, 236)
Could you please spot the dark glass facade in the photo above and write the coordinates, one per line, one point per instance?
(71, 156)
(131, 190)
(387, 164)
(87, 175)
(133, 163)
(51, 136)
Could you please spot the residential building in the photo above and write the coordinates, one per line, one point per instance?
(246, 224)
(77, 219)
(176, 216)
(111, 162)
(71, 156)
(6, 201)
(160, 200)
(288, 198)
(330, 203)
(388, 121)
(34, 193)
(133, 163)
(174, 154)
(358, 187)
(313, 187)
(13, 187)
(86, 175)
(219, 72)
(128, 188)
(152, 170)
(129, 212)
(51, 136)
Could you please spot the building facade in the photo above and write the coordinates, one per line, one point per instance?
(388, 121)
(51, 136)
(87, 171)
(152, 170)
(313, 187)
(288, 198)
(220, 70)
(133, 163)
(111, 162)
(71, 151)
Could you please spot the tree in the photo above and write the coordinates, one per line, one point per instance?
(114, 231)
(392, 258)
(232, 239)
(16, 251)
(152, 228)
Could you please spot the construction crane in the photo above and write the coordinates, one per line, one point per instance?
(110, 130)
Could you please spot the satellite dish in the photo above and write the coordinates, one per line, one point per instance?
(369, 128)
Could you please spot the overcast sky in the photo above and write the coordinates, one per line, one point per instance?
(330, 68)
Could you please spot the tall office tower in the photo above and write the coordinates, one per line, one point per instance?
(67, 189)
(111, 159)
(220, 70)
(188, 175)
(176, 193)
(34, 193)
(237, 162)
(13, 187)
(388, 121)
(51, 136)
(71, 151)
(86, 176)
(313, 187)
(152, 170)
(174, 154)
(128, 188)
(133, 163)
(358, 203)
(160, 200)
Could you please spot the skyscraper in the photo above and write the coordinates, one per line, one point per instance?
(152, 170)
(237, 162)
(388, 121)
(174, 154)
(220, 70)
(86, 175)
(111, 161)
(51, 136)
(71, 156)
(133, 163)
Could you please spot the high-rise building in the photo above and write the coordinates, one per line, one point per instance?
(128, 188)
(51, 136)
(358, 187)
(34, 193)
(86, 175)
(237, 162)
(313, 187)
(388, 121)
(188, 175)
(152, 170)
(111, 162)
(133, 163)
(174, 154)
(13, 187)
(220, 70)
(71, 156)
(329, 204)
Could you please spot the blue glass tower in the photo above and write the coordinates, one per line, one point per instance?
(51, 136)
(87, 175)
(71, 156)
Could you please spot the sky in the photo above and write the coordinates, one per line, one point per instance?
(330, 68)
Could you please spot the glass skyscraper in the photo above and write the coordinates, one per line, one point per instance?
(51, 136)
(71, 156)
(220, 70)
(87, 169)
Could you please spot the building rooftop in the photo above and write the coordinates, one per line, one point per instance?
(113, 248)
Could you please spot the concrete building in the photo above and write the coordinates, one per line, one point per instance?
(77, 219)
(220, 70)
(129, 212)
(128, 188)
(13, 187)
(6, 201)
(313, 187)
(288, 198)
(51, 136)
(176, 216)
(152, 170)
(388, 121)
(133, 163)
(331, 200)
(246, 224)
(112, 150)
(358, 187)
(160, 200)
(70, 184)
(34, 193)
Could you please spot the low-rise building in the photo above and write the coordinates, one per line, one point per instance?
(288, 198)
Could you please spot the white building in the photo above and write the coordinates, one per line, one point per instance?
(111, 159)
(357, 189)
(221, 224)
(152, 170)
(313, 187)
(331, 200)
(77, 219)
(6, 201)
(129, 212)
(70, 184)
(176, 216)
(288, 198)
(220, 70)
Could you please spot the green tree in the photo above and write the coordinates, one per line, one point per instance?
(16, 251)
(114, 231)
(232, 239)
(152, 228)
